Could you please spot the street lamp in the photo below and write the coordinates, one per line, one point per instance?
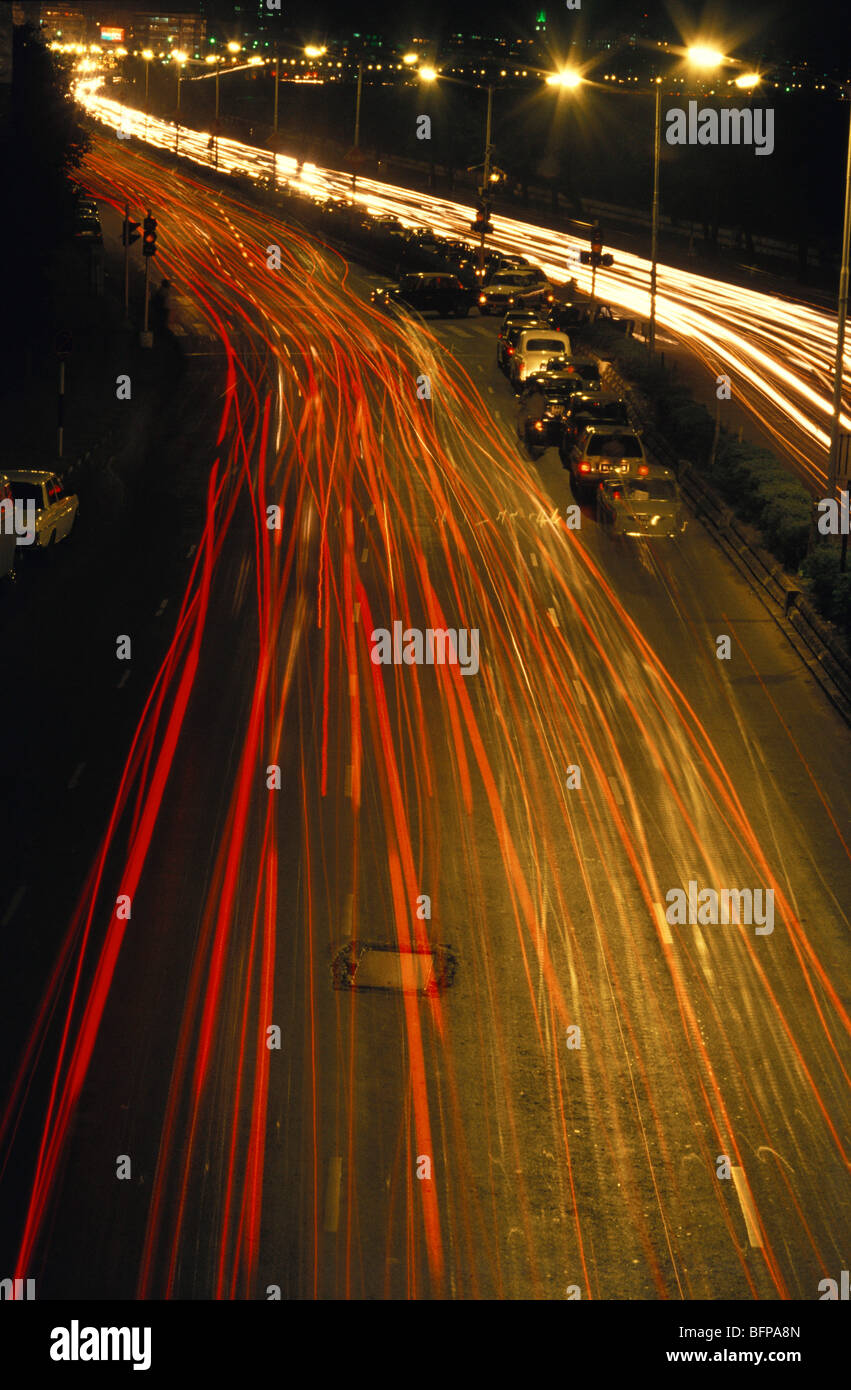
(179, 58)
(147, 54)
(841, 317)
(567, 79)
(706, 58)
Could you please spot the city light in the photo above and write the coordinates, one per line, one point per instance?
(748, 79)
(701, 56)
(568, 78)
(427, 74)
(311, 51)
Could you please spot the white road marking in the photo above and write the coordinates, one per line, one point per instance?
(363, 555)
(534, 559)
(616, 791)
(161, 608)
(124, 679)
(580, 692)
(75, 776)
(746, 1202)
(662, 923)
(553, 616)
(349, 779)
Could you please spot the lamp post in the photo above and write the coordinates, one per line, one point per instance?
(180, 59)
(147, 54)
(654, 219)
(708, 59)
(357, 123)
(841, 318)
(486, 179)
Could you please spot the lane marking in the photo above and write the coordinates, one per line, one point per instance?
(76, 776)
(662, 924)
(534, 559)
(124, 679)
(746, 1202)
(356, 613)
(348, 779)
(553, 616)
(363, 555)
(332, 1194)
(161, 608)
(616, 791)
(580, 692)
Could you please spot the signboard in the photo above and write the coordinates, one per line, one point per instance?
(112, 35)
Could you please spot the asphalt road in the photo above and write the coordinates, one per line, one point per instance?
(556, 1118)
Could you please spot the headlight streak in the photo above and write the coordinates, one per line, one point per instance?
(421, 774)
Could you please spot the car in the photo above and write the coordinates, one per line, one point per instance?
(515, 286)
(87, 225)
(567, 315)
(55, 509)
(587, 371)
(592, 408)
(602, 451)
(517, 318)
(648, 504)
(426, 291)
(388, 226)
(535, 347)
(547, 428)
(506, 346)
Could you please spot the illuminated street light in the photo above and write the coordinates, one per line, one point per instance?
(568, 78)
(311, 51)
(234, 47)
(409, 58)
(701, 56)
(427, 74)
(748, 79)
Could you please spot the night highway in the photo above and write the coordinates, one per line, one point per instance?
(336, 973)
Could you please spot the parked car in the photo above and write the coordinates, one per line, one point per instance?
(87, 227)
(55, 509)
(535, 347)
(518, 319)
(604, 450)
(592, 408)
(528, 286)
(428, 291)
(543, 425)
(577, 314)
(646, 505)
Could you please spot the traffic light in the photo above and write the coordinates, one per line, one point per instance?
(129, 232)
(149, 237)
(595, 256)
(482, 225)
